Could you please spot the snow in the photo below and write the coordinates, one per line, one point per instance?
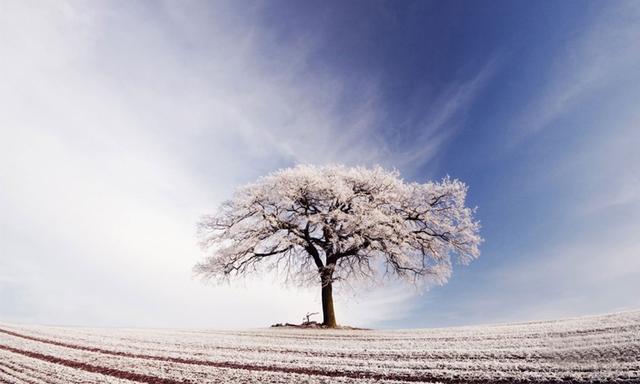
(588, 349)
(358, 223)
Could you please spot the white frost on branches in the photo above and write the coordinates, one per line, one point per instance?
(350, 223)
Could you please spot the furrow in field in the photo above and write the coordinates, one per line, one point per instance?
(349, 362)
(604, 348)
(52, 373)
(601, 351)
(442, 372)
(4, 378)
(275, 340)
(18, 375)
(501, 335)
(162, 380)
(36, 372)
(33, 372)
(93, 368)
(110, 371)
(7, 377)
(479, 336)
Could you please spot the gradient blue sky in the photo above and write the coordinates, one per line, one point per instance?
(122, 122)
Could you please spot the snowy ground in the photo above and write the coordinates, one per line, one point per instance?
(589, 349)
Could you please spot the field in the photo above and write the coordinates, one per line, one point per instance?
(588, 349)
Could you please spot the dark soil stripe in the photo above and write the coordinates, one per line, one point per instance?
(94, 368)
(334, 354)
(6, 373)
(248, 367)
(11, 373)
(242, 366)
(390, 355)
(27, 371)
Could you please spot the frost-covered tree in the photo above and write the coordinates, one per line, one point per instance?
(321, 225)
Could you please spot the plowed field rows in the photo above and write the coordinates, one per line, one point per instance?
(580, 350)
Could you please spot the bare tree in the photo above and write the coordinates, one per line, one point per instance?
(319, 225)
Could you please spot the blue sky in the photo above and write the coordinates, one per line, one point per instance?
(125, 121)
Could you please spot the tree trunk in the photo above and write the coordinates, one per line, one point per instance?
(329, 316)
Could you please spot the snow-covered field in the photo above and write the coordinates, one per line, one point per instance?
(589, 349)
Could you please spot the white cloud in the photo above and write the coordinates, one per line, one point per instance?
(603, 53)
(434, 122)
(574, 279)
(121, 124)
(585, 256)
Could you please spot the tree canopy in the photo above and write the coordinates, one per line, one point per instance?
(319, 225)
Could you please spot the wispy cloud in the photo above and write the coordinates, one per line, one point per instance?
(589, 261)
(433, 122)
(603, 52)
(112, 146)
(597, 77)
(121, 124)
(574, 279)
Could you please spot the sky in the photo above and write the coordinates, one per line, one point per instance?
(122, 122)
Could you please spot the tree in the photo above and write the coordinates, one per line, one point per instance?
(320, 225)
